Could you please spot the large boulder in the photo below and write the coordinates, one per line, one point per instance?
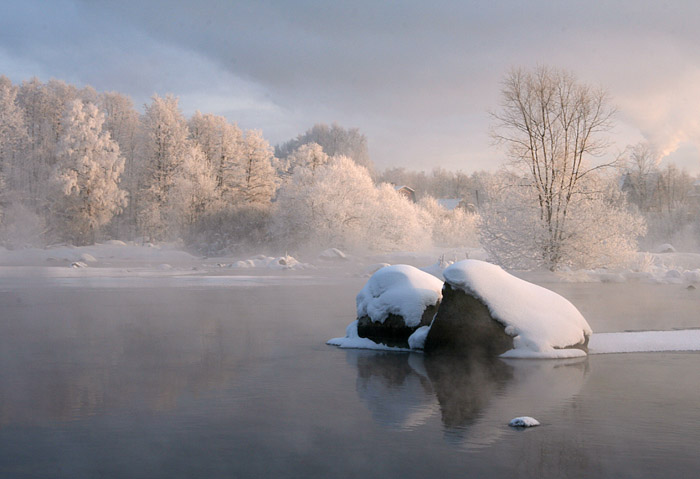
(464, 325)
(395, 302)
(486, 311)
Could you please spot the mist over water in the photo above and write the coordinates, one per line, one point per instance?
(235, 380)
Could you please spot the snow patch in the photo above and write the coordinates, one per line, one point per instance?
(417, 339)
(645, 342)
(399, 289)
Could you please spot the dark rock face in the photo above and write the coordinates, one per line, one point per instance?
(393, 331)
(464, 326)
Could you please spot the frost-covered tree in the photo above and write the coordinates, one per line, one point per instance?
(44, 105)
(165, 146)
(552, 125)
(641, 175)
(13, 135)
(193, 190)
(335, 141)
(123, 123)
(451, 228)
(394, 222)
(258, 181)
(309, 155)
(601, 231)
(338, 205)
(85, 179)
(223, 146)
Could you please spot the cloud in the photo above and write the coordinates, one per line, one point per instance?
(417, 78)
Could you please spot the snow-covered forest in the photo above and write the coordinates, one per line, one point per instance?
(79, 166)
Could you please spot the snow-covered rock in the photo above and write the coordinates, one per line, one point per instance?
(87, 258)
(484, 308)
(332, 254)
(524, 421)
(396, 301)
(269, 262)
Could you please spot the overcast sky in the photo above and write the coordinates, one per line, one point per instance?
(417, 77)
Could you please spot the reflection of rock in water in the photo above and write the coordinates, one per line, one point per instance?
(394, 387)
(476, 397)
(465, 386)
(535, 388)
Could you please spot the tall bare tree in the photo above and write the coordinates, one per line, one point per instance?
(551, 124)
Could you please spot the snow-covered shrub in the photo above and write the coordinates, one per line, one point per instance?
(338, 205)
(451, 228)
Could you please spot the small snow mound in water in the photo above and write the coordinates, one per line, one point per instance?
(78, 264)
(542, 323)
(524, 421)
(333, 254)
(399, 289)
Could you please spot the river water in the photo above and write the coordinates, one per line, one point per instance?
(220, 376)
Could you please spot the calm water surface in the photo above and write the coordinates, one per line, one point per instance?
(209, 377)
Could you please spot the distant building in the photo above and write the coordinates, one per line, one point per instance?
(407, 192)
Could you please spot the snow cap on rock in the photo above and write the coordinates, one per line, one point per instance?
(399, 289)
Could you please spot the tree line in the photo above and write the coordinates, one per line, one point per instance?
(78, 166)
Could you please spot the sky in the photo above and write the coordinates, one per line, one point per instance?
(418, 78)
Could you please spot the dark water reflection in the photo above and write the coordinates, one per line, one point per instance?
(223, 381)
(474, 398)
